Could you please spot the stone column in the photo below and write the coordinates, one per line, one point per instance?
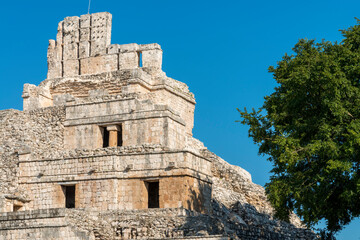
(113, 135)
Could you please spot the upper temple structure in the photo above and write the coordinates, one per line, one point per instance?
(103, 149)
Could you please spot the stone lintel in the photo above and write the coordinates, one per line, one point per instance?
(110, 119)
(128, 175)
(67, 183)
(113, 128)
(115, 153)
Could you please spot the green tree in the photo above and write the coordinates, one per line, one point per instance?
(310, 129)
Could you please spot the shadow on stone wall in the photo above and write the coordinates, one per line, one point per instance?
(199, 198)
(241, 221)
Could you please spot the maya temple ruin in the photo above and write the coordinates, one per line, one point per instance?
(103, 149)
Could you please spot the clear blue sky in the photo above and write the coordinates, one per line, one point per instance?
(221, 49)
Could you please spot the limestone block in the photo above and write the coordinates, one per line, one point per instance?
(85, 34)
(97, 48)
(128, 60)
(113, 128)
(99, 41)
(54, 62)
(59, 34)
(152, 59)
(101, 19)
(131, 47)
(62, 99)
(113, 49)
(151, 46)
(71, 24)
(100, 33)
(96, 93)
(85, 21)
(99, 110)
(71, 37)
(71, 68)
(135, 88)
(36, 97)
(70, 51)
(99, 64)
(84, 49)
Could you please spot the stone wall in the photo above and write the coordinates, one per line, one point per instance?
(122, 162)
(114, 85)
(47, 224)
(184, 107)
(23, 132)
(170, 223)
(116, 178)
(141, 122)
(83, 47)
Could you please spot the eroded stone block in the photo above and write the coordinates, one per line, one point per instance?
(97, 48)
(131, 47)
(151, 46)
(101, 19)
(99, 64)
(54, 60)
(85, 34)
(71, 24)
(84, 49)
(71, 68)
(152, 59)
(62, 99)
(128, 60)
(114, 48)
(36, 97)
(71, 37)
(70, 51)
(59, 34)
(85, 21)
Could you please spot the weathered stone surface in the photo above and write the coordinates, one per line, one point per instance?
(109, 134)
(93, 65)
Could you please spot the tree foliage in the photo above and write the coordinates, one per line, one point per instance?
(310, 129)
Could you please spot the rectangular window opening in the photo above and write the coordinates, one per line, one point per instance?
(140, 59)
(69, 192)
(119, 137)
(16, 208)
(153, 194)
(105, 136)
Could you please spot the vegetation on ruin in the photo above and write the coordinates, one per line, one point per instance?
(310, 129)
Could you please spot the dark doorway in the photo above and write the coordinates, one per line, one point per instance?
(119, 137)
(105, 134)
(69, 192)
(153, 194)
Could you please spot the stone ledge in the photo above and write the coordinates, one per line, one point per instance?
(112, 175)
(138, 115)
(120, 75)
(114, 151)
(32, 214)
(33, 227)
(132, 76)
(153, 212)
